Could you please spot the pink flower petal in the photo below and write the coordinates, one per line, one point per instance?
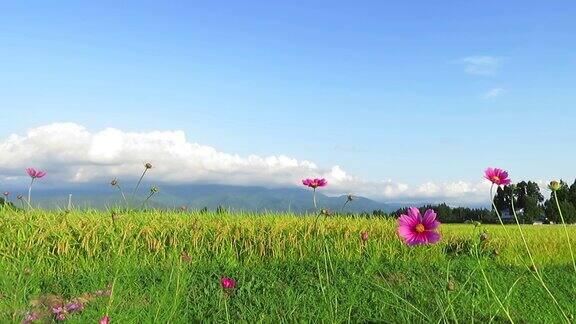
(432, 237)
(429, 221)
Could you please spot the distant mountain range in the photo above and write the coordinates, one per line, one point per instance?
(237, 198)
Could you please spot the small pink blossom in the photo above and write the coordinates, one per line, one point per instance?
(6, 193)
(364, 236)
(315, 183)
(497, 176)
(415, 229)
(31, 317)
(105, 320)
(35, 173)
(228, 283)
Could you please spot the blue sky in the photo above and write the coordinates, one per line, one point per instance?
(410, 91)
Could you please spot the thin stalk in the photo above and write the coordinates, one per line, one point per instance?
(226, 309)
(535, 268)
(314, 199)
(497, 213)
(30, 193)
(344, 206)
(565, 230)
(146, 200)
(123, 196)
(138, 184)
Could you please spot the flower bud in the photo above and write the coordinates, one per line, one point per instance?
(554, 185)
(114, 182)
(148, 165)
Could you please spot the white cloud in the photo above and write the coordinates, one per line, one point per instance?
(493, 93)
(481, 65)
(71, 153)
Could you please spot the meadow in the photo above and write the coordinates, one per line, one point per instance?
(166, 267)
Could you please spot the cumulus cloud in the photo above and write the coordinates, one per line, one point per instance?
(493, 93)
(481, 65)
(73, 154)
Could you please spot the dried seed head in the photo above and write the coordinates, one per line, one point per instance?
(484, 236)
(185, 257)
(19, 197)
(114, 182)
(326, 212)
(451, 286)
(154, 189)
(496, 252)
(148, 165)
(350, 198)
(183, 208)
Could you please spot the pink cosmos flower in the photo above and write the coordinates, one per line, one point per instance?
(315, 183)
(105, 320)
(497, 176)
(35, 173)
(415, 229)
(228, 283)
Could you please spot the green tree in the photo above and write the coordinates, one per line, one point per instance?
(532, 211)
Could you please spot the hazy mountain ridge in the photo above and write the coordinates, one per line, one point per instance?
(211, 196)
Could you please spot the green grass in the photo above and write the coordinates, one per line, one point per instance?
(288, 269)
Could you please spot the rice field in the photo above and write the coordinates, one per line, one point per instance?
(166, 267)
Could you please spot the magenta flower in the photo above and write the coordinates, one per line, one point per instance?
(315, 183)
(415, 229)
(228, 283)
(497, 176)
(105, 320)
(35, 173)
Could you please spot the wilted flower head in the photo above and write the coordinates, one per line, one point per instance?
(326, 212)
(148, 165)
(497, 176)
(227, 283)
(415, 229)
(19, 197)
(114, 182)
(154, 189)
(364, 236)
(554, 185)
(315, 183)
(105, 320)
(350, 198)
(484, 236)
(35, 173)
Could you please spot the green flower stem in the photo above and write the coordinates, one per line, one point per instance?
(535, 268)
(565, 230)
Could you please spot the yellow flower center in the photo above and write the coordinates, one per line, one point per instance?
(420, 228)
(496, 178)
